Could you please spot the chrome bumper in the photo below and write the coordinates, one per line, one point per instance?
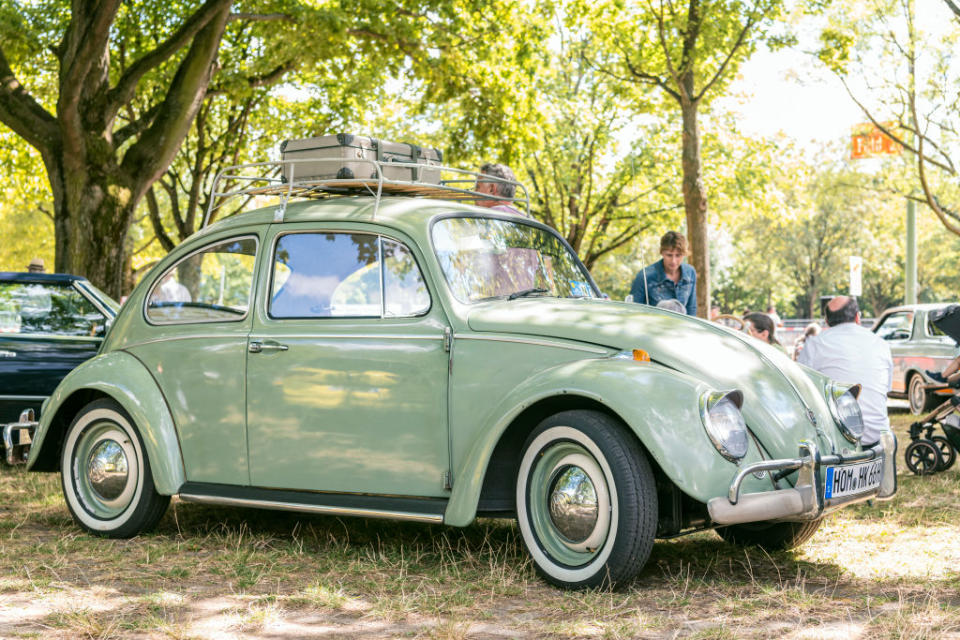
(804, 501)
(17, 438)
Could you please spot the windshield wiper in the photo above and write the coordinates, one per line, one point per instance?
(525, 293)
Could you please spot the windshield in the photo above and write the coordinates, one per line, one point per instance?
(486, 258)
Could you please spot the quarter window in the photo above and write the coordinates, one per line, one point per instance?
(212, 285)
(896, 326)
(48, 309)
(358, 275)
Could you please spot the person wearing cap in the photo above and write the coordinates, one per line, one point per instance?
(847, 352)
(36, 266)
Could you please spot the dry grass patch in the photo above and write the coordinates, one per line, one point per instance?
(887, 570)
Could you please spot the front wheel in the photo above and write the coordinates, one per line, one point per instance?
(771, 536)
(106, 474)
(586, 501)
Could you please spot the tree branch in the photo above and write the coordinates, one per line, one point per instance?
(151, 155)
(741, 37)
(23, 114)
(124, 91)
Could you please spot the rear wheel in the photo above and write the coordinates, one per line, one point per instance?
(106, 474)
(772, 536)
(948, 455)
(586, 501)
(920, 401)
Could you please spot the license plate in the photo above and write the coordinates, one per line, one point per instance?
(852, 479)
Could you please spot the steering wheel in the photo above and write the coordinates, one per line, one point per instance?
(729, 320)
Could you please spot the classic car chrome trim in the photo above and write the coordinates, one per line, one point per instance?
(351, 336)
(109, 314)
(16, 452)
(309, 508)
(804, 501)
(51, 337)
(27, 398)
(540, 343)
(145, 309)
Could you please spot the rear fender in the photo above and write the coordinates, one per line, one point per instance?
(660, 405)
(131, 385)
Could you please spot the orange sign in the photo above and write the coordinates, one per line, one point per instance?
(868, 141)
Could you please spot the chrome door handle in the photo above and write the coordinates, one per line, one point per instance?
(7, 354)
(258, 346)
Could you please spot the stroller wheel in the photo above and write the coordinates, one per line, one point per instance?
(948, 455)
(922, 457)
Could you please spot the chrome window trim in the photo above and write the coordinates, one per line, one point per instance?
(537, 342)
(108, 313)
(268, 289)
(309, 508)
(250, 296)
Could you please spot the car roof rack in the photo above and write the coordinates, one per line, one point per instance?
(278, 179)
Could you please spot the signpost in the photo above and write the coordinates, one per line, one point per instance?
(868, 141)
(856, 275)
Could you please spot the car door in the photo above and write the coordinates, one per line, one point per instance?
(347, 368)
(897, 329)
(197, 314)
(46, 329)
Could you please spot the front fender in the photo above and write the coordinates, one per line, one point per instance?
(660, 405)
(131, 385)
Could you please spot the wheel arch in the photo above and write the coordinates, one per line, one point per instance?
(133, 388)
(639, 396)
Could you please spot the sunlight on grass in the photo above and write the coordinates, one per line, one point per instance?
(886, 570)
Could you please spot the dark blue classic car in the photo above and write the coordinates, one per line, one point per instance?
(49, 323)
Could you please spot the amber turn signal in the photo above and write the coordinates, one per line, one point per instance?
(641, 356)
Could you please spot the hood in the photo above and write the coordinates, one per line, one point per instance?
(778, 394)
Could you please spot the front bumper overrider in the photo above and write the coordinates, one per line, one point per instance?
(17, 438)
(805, 500)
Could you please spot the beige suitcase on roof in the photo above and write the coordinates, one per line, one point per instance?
(350, 149)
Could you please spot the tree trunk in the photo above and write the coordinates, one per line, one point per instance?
(695, 204)
(92, 214)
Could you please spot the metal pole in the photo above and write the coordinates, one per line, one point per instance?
(910, 288)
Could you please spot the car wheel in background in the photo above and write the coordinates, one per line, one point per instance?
(920, 401)
(772, 536)
(586, 500)
(106, 474)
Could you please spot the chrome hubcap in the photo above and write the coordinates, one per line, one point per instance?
(108, 470)
(574, 507)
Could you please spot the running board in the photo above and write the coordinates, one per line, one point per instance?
(331, 504)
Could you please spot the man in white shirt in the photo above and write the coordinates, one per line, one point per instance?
(847, 352)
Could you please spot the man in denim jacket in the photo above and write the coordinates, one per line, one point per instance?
(668, 277)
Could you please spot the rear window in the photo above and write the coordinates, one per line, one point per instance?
(47, 309)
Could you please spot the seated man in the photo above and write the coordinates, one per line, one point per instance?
(847, 352)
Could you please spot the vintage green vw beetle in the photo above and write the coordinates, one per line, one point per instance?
(430, 360)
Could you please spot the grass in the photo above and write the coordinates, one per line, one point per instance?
(888, 570)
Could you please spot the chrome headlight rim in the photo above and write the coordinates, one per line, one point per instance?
(709, 400)
(834, 392)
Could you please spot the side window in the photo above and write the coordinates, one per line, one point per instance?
(48, 308)
(896, 326)
(405, 294)
(328, 275)
(212, 285)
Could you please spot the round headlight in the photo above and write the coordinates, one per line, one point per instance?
(846, 411)
(724, 423)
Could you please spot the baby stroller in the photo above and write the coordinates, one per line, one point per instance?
(928, 453)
